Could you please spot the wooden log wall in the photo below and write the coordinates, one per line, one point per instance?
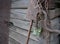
(18, 32)
(18, 17)
(18, 14)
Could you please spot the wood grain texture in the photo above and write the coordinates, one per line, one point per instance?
(20, 4)
(54, 13)
(12, 41)
(22, 32)
(19, 14)
(21, 24)
(20, 37)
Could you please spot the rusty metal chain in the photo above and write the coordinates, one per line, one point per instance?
(47, 37)
(46, 15)
(38, 16)
(47, 21)
(47, 11)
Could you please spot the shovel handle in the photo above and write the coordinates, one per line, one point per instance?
(29, 32)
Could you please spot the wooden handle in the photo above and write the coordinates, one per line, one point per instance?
(29, 32)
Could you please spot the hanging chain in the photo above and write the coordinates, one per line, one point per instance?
(47, 20)
(46, 5)
(38, 16)
(47, 11)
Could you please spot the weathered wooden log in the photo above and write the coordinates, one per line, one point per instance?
(20, 4)
(54, 13)
(51, 4)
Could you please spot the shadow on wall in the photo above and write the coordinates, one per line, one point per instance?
(59, 38)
